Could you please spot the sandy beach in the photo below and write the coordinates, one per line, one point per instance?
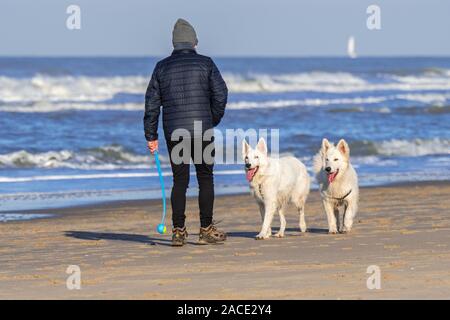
(402, 229)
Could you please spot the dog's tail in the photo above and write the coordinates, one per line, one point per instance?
(318, 162)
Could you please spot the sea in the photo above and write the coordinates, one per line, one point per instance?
(71, 130)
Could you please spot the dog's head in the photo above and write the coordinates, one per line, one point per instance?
(254, 159)
(333, 160)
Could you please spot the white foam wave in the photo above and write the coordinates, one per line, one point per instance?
(416, 147)
(76, 106)
(372, 161)
(434, 99)
(6, 217)
(333, 83)
(292, 82)
(79, 177)
(68, 88)
(50, 89)
(303, 102)
(102, 176)
(103, 158)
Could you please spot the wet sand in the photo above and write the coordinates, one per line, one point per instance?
(404, 230)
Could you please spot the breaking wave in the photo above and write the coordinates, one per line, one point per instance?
(102, 158)
(6, 217)
(74, 106)
(437, 101)
(311, 81)
(338, 82)
(50, 89)
(116, 157)
(42, 88)
(90, 176)
(303, 102)
(433, 110)
(399, 147)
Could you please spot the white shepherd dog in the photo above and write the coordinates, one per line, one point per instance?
(338, 184)
(274, 183)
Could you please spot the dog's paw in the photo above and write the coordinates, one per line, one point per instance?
(262, 236)
(332, 231)
(303, 230)
(345, 230)
(279, 235)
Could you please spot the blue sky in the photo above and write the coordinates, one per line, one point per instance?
(225, 28)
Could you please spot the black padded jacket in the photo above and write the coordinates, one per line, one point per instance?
(189, 88)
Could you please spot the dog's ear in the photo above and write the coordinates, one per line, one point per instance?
(245, 148)
(261, 146)
(343, 148)
(325, 144)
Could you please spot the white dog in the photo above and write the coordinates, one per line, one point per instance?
(274, 183)
(338, 184)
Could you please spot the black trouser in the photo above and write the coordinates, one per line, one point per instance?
(204, 170)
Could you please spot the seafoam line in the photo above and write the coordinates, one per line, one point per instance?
(100, 176)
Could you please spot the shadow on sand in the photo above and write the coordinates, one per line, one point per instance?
(95, 236)
(139, 238)
(252, 235)
(309, 230)
(242, 234)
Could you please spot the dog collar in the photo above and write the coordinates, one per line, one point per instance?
(342, 198)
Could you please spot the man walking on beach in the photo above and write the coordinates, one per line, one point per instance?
(192, 92)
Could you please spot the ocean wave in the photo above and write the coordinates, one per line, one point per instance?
(6, 217)
(102, 158)
(302, 102)
(360, 109)
(74, 106)
(103, 176)
(238, 105)
(49, 89)
(43, 88)
(400, 147)
(309, 81)
(436, 71)
(338, 82)
(432, 110)
(116, 157)
(435, 100)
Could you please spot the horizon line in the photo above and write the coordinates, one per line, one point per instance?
(228, 56)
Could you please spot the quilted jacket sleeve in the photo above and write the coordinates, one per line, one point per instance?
(152, 107)
(219, 94)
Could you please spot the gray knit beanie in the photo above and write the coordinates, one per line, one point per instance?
(183, 32)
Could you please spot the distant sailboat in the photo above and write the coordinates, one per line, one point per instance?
(351, 51)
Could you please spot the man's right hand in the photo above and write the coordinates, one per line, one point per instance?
(153, 146)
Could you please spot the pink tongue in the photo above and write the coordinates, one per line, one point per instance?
(331, 177)
(250, 174)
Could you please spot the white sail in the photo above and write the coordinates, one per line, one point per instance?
(351, 51)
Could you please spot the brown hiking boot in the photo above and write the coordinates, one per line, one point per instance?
(211, 235)
(179, 237)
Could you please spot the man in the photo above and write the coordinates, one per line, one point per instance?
(191, 91)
